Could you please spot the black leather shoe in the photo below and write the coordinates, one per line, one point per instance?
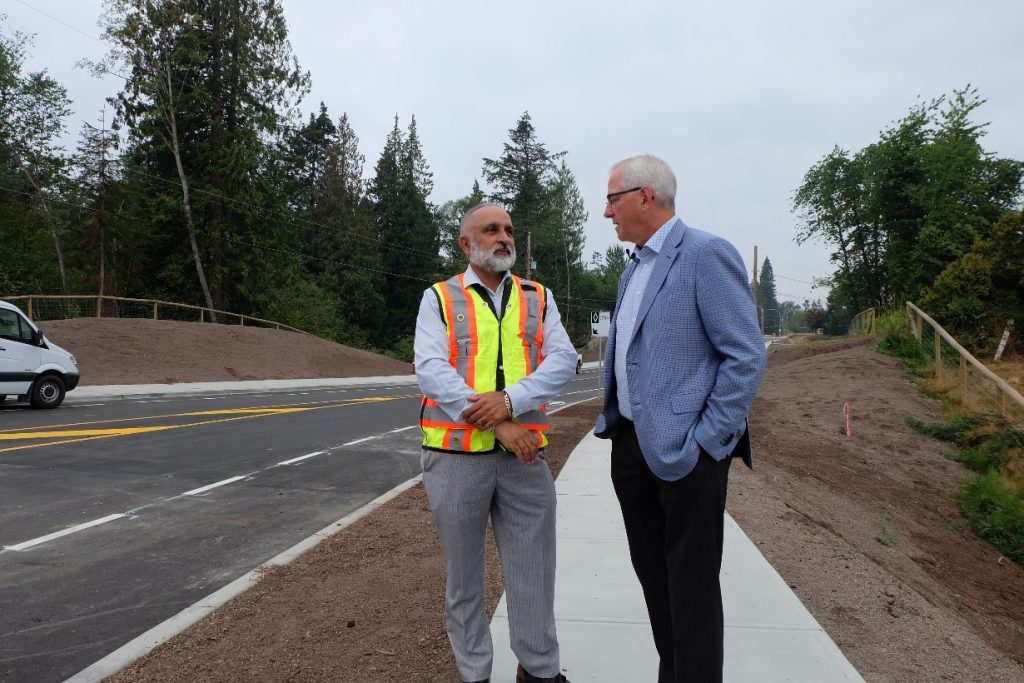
(522, 676)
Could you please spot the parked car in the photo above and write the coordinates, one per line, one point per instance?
(32, 368)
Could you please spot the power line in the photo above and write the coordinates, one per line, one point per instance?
(259, 212)
(59, 21)
(133, 220)
(803, 282)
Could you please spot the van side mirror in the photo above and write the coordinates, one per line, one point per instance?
(37, 338)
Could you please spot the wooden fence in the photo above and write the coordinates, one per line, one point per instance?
(957, 371)
(863, 323)
(61, 307)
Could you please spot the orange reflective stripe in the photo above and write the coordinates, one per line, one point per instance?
(429, 402)
(450, 319)
(542, 304)
(523, 311)
(534, 427)
(471, 317)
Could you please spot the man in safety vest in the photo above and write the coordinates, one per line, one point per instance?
(490, 352)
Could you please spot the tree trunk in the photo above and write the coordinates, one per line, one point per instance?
(173, 129)
(53, 228)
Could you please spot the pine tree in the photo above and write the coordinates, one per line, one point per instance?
(33, 108)
(407, 231)
(768, 299)
(547, 211)
(347, 245)
(100, 192)
(208, 87)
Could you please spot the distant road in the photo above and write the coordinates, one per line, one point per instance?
(116, 516)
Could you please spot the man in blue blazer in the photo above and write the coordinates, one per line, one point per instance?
(684, 360)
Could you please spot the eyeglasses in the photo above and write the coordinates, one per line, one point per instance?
(615, 195)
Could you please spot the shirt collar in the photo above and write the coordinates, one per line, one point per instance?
(653, 246)
(471, 278)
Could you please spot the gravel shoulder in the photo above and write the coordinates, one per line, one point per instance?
(863, 528)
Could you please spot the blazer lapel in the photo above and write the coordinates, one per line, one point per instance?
(667, 256)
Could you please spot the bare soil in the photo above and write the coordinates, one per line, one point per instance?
(141, 351)
(862, 527)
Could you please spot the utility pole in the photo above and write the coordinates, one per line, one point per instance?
(755, 288)
(529, 255)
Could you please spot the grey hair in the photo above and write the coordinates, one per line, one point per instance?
(464, 223)
(647, 170)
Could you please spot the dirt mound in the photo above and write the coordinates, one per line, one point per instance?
(863, 527)
(142, 351)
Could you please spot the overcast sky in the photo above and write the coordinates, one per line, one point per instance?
(741, 98)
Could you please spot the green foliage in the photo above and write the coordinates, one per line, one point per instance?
(33, 108)
(208, 85)
(978, 459)
(767, 300)
(546, 207)
(900, 211)
(958, 430)
(406, 228)
(992, 501)
(204, 166)
(975, 295)
(894, 339)
(996, 513)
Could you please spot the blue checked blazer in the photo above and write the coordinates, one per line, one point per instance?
(695, 359)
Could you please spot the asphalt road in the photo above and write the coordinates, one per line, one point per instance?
(116, 516)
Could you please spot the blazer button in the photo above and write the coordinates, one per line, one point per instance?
(726, 440)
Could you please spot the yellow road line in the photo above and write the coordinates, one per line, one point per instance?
(292, 407)
(235, 414)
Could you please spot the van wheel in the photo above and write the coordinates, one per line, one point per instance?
(48, 392)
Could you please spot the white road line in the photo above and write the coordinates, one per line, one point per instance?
(301, 458)
(581, 391)
(65, 532)
(204, 489)
(194, 492)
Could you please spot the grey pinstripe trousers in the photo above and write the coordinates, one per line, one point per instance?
(464, 489)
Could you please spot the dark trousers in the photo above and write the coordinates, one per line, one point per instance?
(675, 531)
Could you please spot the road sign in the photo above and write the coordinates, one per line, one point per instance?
(600, 321)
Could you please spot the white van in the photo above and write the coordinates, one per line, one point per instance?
(32, 368)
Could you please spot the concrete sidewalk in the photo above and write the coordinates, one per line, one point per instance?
(602, 622)
(603, 628)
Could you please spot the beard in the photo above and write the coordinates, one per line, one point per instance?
(495, 263)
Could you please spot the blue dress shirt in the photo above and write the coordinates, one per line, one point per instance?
(625, 319)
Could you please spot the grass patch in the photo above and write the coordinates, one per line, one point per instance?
(992, 501)
(986, 441)
(957, 431)
(996, 512)
(895, 340)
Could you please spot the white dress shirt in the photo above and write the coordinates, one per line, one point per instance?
(629, 306)
(439, 380)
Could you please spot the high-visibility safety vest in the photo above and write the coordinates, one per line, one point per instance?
(489, 354)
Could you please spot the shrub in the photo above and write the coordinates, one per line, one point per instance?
(996, 513)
